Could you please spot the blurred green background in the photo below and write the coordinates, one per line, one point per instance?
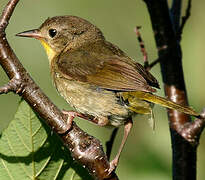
(147, 154)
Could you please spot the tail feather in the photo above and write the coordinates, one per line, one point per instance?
(164, 102)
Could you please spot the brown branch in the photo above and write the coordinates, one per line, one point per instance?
(86, 149)
(192, 131)
(7, 12)
(13, 85)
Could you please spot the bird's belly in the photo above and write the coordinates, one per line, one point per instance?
(92, 101)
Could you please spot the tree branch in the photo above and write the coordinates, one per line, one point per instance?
(175, 12)
(110, 142)
(142, 47)
(184, 19)
(84, 148)
(184, 133)
(13, 85)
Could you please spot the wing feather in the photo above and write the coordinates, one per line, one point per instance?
(108, 72)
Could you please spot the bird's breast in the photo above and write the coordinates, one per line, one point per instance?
(91, 100)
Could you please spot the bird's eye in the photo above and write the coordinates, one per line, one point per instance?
(52, 32)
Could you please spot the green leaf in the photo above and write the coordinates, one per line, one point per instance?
(29, 150)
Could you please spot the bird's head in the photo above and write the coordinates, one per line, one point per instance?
(59, 32)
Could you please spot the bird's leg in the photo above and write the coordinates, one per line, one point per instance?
(71, 115)
(102, 121)
(114, 162)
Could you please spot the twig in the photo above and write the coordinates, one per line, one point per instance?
(7, 12)
(152, 64)
(142, 46)
(14, 85)
(184, 20)
(86, 149)
(147, 65)
(109, 144)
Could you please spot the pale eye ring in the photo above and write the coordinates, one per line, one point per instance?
(52, 32)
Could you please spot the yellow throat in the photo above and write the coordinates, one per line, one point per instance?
(49, 51)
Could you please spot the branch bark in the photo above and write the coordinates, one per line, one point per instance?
(185, 134)
(86, 149)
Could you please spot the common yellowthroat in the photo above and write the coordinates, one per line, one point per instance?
(95, 77)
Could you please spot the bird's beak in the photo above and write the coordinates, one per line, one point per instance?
(35, 33)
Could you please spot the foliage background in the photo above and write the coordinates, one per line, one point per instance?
(147, 154)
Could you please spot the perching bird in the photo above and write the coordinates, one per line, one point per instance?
(95, 77)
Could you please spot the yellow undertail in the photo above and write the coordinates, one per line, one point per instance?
(144, 108)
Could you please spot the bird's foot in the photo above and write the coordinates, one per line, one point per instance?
(70, 116)
(113, 165)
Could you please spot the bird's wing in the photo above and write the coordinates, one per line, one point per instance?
(112, 72)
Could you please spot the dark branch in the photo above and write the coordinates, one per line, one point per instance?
(176, 14)
(152, 64)
(84, 148)
(183, 131)
(158, 60)
(184, 19)
(109, 144)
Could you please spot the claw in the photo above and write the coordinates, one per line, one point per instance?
(113, 165)
(71, 115)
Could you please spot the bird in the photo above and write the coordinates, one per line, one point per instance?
(100, 81)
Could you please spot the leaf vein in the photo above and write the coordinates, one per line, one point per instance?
(15, 155)
(11, 177)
